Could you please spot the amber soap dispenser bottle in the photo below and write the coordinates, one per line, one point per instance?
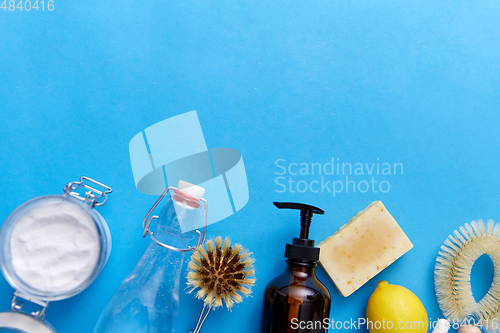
(296, 301)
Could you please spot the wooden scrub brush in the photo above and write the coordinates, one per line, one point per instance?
(222, 273)
(453, 270)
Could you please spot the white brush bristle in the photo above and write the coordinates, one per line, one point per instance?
(453, 269)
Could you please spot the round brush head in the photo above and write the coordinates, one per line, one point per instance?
(452, 274)
(221, 272)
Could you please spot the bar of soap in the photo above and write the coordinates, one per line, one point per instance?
(363, 247)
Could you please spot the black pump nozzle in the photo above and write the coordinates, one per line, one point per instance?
(306, 213)
(302, 248)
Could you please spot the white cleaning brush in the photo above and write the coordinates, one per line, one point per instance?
(453, 270)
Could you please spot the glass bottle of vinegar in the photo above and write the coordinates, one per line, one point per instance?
(147, 301)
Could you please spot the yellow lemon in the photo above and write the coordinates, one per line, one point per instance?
(395, 309)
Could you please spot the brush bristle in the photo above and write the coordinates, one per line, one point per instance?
(222, 272)
(453, 270)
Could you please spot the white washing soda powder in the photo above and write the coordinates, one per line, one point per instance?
(55, 247)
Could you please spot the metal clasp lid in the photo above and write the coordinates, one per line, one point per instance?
(17, 305)
(92, 195)
(147, 222)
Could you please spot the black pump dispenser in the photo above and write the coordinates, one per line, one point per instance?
(302, 249)
(296, 297)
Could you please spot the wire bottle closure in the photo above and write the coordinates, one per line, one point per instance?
(91, 195)
(147, 222)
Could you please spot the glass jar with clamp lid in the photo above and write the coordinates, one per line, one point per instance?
(52, 248)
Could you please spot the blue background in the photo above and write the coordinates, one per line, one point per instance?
(412, 82)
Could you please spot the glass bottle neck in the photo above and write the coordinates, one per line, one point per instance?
(302, 268)
(174, 218)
